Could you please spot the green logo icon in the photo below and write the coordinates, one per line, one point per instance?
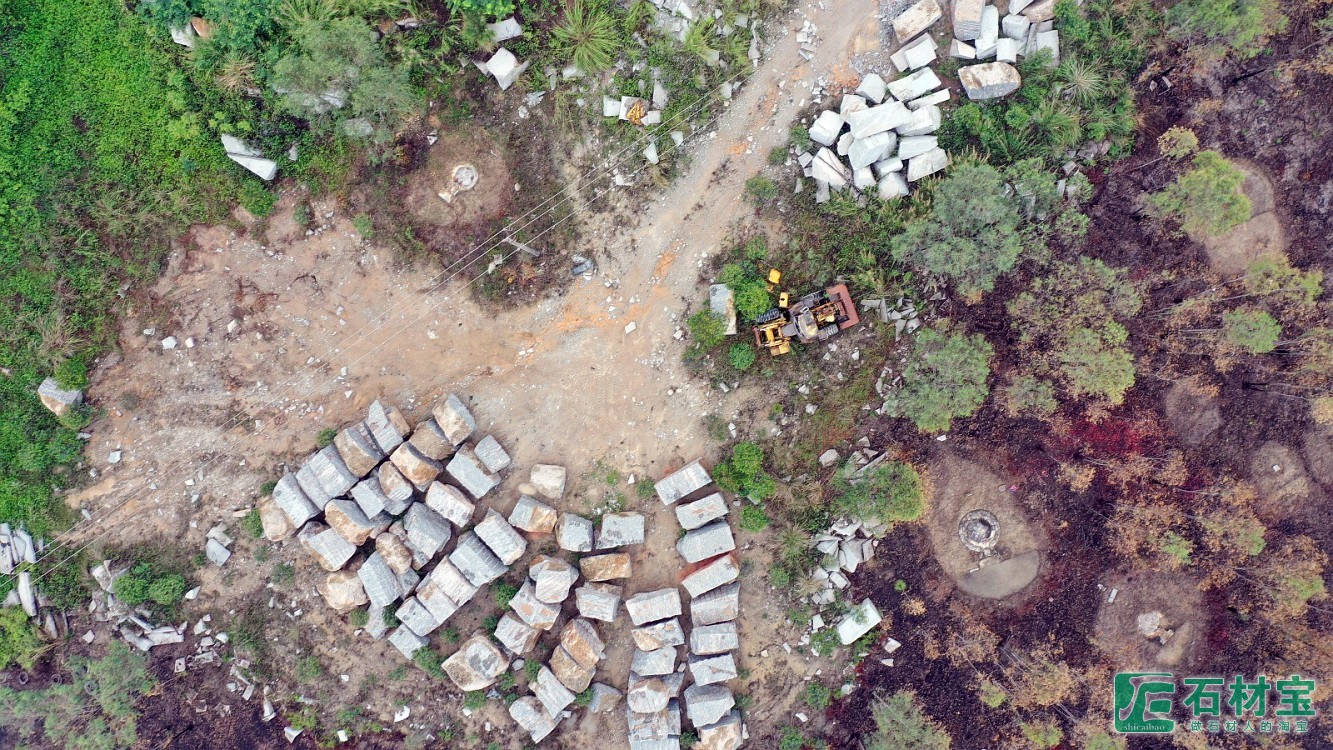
(1142, 702)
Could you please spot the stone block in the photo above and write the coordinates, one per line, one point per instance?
(722, 302)
(533, 516)
(912, 87)
(1037, 12)
(654, 663)
(872, 87)
(418, 469)
(395, 552)
(892, 185)
(707, 704)
(598, 601)
(867, 151)
(276, 524)
(426, 530)
(696, 514)
(604, 698)
(289, 496)
(475, 560)
(397, 491)
(552, 578)
(707, 640)
(919, 55)
(683, 482)
(342, 591)
(645, 694)
(851, 103)
(516, 635)
(937, 98)
(916, 19)
(493, 456)
(548, 480)
(1015, 27)
(555, 696)
(330, 549)
(431, 442)
(574, 533)
(989, 80)
(476, 665)
(504, 541)
(358, 449)
(387, 425)
(414, 615)
(370, 497)
(471, 474)
(925, 121)
(722, 604)
(580, 639)
(658, 635)
(967, 19)
(710, 670)
(346, 518)
(407, 642)
(606, 567)
(1048, 40)
(726, 734)
(432, 596)
(532, 610)
(962, 50)
(826, 128)
(58, 400)
(926, 164)
(569, 672)
(707, 541)
(828, 169)
(454, 418)
(888, 166)
(450, 503)
(860, 620)
(379, 580)
(309, 484)
(452, 582)
(881, 118)
(531, 715)
(721, 571)
(651, 606)
(620, 530)
(1006, 51)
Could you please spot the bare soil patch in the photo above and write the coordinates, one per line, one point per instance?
(1179, 600)
(490, 198)
(1260, 235)
(1285, 489)
(1194, 415)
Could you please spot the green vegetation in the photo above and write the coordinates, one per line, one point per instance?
(761, 190)
(1071, 327)
(582, 700)
(588, 37)
(1206, 199)
(19, 643)
(431, 662)
(891, 493)
(818, 696)
(741, 356)
(1042, 734)
(749, 288)
(148, 582)
(753, 519)
(531, 668)
(791, 739)
(1238, 27)
(325, 437)
(252, 524)
(309, 669)
(944, 379)
(505, 593)
(992, 695)
(706, 331)
(1250, 330)
(825, 642)
(473, 700)
(283, 573)
(902, 725)
(971, 237)
(743, 474)
(359, 618)
(93, 708)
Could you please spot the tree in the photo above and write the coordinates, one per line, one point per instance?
(971, 236)
(1250, 330)
(1238, 26)
(900, 724)
(944, 378)
(1070, 329)
(1206, 200)
(338, 66)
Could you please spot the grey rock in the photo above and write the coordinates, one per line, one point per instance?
(358, 449)
(598, 601)
(967, 19)
(620, 530)
(407, 642)
(706, 541)
(722, 302)
(722, 604)
(529, 713)
(707, 640)
(454, 418)
(332, 473)
(867, 151)
(430, 441)
(503, 31)
(414, 615)
(696, 514)
(681, 483)
(726, 734)
(880, 118)
(387, 426)
(555, 696)
(826, 127)
(646, 694)
(507, 544)
(860, 620)
(580, 640)
(516, 635)
(314, 491)
(911, 87)
(265, 169)
(574, 533)
(916, 146)
(646, 727)
(331, 551)
(397, 491)
(707, 704)
(375, 627)
(604, 698)
(710, 670)
(569, 672)
(289, 496)
(452, 582)
(346, 518)
(450, 503)
(654, 663)
(926, 164)
(916, 19)
(475, 560)
(216, 552)
(532, 610)
(416, 468)
(58, 400)
(476, 665)
(658, 635)
(470, 472)
(828, 169)
(552, 579)
(533, 516)
(493, 456)
(426, 530)
(370, 497)
(925, 121)
(872, 87)
(548, 480)
(379, 581)
(651, 606)
(721, 571)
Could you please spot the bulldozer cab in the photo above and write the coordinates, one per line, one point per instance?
(774, 278)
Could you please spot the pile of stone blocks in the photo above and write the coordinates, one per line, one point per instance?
(378, 508)
(981, 34)
(569, 671)
(843, 548)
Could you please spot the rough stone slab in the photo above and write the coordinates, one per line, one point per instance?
(569, 672)
(880, 118)
(926, 164)
(722, 604)
(707, 704)
(493, 456)
(216, 553)
(345, 517)
(574, 533)
(375, 627)
(532, 515)
(454, 418)
(548, 480)
(867, 151)
(431, 442)
(407, 581)
(652, 606)
(860, 620)
(598, 601)
(477, 664)
(329, 548)
(397, 491)
(451, 582)
(471, 474)
(580, 639)
(962, 50)
(426, 530)
(912, 87)
(710, 670)
(516, 635)
(892, 185)
(872, 87)
(620, 530)
(495, 531)
(1048, 40)
(331, 471)
(925, 121)
(1014, 27)
(920, 54)
(707, 640)
(395, 552)
(475, 560)
(289, 496)
(277, 526)
(450, 503)
(358, 449)
(529, 713)
(379, 580)
(604, 698)
(654, 663)
(58, 400)
(413, 614)
(314, 491)
(342, 591)
(432, 596)
(826, 127)
(532, 610)
(552, 579)
(387, 425)
(606, 567)
(717, 573)
(645, 694)
(418, 469)
(264, 169)
(990, 32)
(696, 514)
(937, 98)
(370, 497)
(828, 169)
(706, 541)
(916, 19)
(1044, 10)
(1006, 51)
(658, 635)
(726, 734)
(555, 696)
(407, 642)
(685, 481)
(722, 303)
(967, 19)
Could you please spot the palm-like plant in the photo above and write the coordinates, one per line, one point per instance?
(293, 14)
(587, 36)
(696, 40)
(236, 73)
(1083, 81)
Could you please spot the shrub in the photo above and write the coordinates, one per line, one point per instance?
(1250, 330)
(761, 190)
(167, 590)
(588, 36)
(971, 237)
(493, 8)
(892, 493)
(743, 474)
(1177, 142)
(504, 593)
(283, 573)
(992, 695)
(779, 577)
(777, 155)
(431, 662)
(791, 739)
(364, 226)
(707, 330)
(252, 524)
(359, 618)
(756, 249)
(741, 356)
(582, 700)
(944, 379)
(1042, 734)
(308, 668)
(753, 519)
(818, 696)
(800, 138)
(1237, 26)
(473, 700)
(19, 643)
(531, 668)
(752, 298)
(1028, 395)
(325, 437)
(142, 584)
(825, 642)
(900, 724)
(1206, 200)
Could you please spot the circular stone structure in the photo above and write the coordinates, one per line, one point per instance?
(979, 529)
(465, 177)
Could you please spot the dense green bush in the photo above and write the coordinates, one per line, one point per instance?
(493, 8)
(741, 356)
(19, 643)
(945, 378)
(743, 474)
(891, 493)
(588, 36)
(706, 330)
(761, 190)
(1236, 26)
(142, 583)
(1253, 331)
(900, 724)
(1206, 199)
(753, 519)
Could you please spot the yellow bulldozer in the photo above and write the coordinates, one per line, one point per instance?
(817, 316)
